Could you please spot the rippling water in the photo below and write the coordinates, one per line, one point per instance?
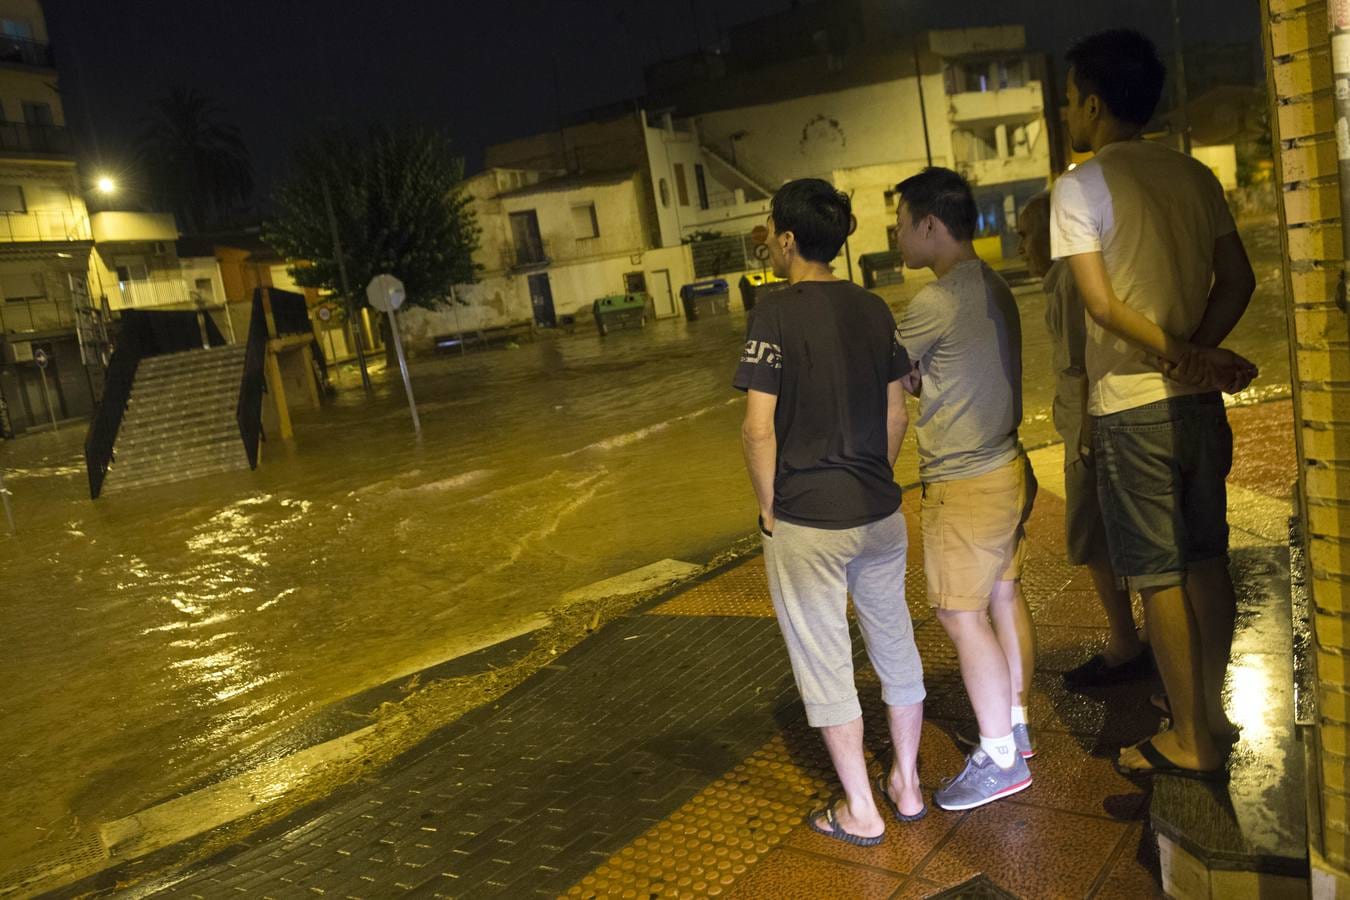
(157, 641)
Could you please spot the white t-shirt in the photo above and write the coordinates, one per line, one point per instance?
(1155, 215)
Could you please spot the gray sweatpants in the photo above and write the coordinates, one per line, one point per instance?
(811, 573)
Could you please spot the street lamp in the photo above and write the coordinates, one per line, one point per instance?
(106, 185)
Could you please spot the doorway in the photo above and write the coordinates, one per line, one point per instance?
(663, 297)
(541, 298)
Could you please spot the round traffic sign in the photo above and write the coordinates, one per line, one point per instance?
(385, 293)
(325, 313)
(40, 357)
(759, 234)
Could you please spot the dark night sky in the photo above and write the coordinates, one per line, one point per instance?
(484, 70)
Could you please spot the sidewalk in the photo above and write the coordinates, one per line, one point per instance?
(668, 755)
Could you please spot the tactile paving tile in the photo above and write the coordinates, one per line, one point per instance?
(715, 838)
(744, 591)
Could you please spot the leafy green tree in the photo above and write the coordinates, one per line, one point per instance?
(399, 201)
(197, 165)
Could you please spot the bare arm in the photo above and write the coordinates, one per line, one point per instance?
(1234, 284)
(760, 443)
(1194, 363)
(897, 420)
(1108, 311)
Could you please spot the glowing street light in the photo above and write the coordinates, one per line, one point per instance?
(106, 185)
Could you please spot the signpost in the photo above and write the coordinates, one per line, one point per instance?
(385, 293)
(40, 357)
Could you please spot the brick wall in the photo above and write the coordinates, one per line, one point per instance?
(1300, 82)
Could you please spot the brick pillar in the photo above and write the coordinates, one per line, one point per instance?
(1303, 126)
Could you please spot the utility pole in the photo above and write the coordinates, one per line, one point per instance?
(1179, 67)
(346, 288)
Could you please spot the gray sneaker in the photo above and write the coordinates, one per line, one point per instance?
(981, 782)
(1022, 734)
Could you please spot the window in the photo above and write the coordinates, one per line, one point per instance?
(890, 201)
(23, 286)
(525, 233)
(17, 28)
(702, 184)
(131, 271)
(664, 189)
(892, 237)
(38, 114)
(584, 222)
(11, 199)
(681, 188)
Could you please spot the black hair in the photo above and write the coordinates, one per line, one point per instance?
(943, 194)
(1121, 67)
(819, 217)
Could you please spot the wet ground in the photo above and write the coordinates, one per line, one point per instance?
(160, 640)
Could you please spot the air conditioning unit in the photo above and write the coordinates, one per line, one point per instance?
(161, 248)
(20, 351)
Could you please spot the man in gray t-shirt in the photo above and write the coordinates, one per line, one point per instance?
(964, 333)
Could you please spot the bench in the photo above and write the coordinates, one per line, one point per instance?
(494, 334)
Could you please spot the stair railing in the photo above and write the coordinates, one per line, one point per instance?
(117, 382)
(249, 411)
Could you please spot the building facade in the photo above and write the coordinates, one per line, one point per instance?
(45, 238)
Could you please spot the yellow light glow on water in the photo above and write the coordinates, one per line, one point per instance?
(1249, 702)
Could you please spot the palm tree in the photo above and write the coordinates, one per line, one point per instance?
(197, 165)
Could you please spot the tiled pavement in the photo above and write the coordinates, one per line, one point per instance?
(668, 756)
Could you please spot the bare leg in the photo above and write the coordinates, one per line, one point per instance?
(1176, 645)
(1210, 590)
(1016, 635)
(984, 669)
(903, 783)
(858, 813)
(1124, 644)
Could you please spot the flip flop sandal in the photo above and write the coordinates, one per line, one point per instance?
(895, 807)
(1159, 702)
(1161, 765)
(836, 831)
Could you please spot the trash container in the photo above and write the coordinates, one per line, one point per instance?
(620, 311)
(879, 269)
(755, 285)
(705, 298)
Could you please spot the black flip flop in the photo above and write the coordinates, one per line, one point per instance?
(1161, 765)
(1159, 702)
(895, 807)
(836, 831)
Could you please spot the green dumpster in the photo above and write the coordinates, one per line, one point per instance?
(620, 311)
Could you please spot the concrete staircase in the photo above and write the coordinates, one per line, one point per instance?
(181, 421)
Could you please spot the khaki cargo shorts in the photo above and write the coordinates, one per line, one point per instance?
(974, 534)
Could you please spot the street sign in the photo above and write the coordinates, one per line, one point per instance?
(385, 293)
(40, 357)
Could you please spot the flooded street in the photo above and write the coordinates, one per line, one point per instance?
(158, 640)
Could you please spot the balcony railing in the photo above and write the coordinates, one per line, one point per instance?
(1023, 102)
(26, 52)
(47, 140)
(528, 256)
(144, 293)
(44, 225)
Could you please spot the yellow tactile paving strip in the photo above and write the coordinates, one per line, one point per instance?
(744, 834)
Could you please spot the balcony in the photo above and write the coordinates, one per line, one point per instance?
(999, 171)
(19, 139)
(973, 107)
(155, 291)
(530, 255)
(25, 52)
(60, 226)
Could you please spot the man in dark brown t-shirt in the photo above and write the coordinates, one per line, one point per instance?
(825, 415)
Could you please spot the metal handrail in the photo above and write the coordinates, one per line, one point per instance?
(26, 51)
(117, 382)
(249, 410)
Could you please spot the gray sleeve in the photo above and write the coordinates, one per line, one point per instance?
(925, 321)
(1075, 326)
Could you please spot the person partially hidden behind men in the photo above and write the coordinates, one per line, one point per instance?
(824, 419)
